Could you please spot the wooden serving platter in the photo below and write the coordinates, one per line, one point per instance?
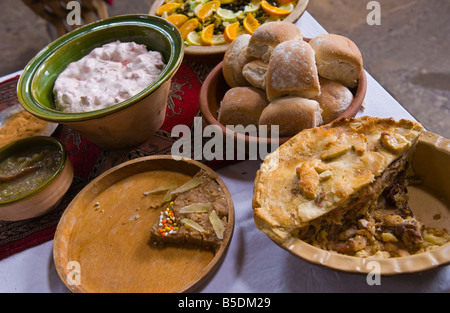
(106, 247)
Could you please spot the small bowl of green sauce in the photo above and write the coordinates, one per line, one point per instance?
(35, 173)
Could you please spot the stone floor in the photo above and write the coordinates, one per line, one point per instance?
(407, 53)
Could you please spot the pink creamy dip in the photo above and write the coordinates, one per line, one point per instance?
(106, 76)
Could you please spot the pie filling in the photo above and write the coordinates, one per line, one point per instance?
(193, 215)
(376, 221)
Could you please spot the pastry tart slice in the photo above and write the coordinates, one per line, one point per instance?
(193, 215)
(342, 187)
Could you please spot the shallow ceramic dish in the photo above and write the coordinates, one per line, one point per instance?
(47, 196)
(215, 87)
(203, 51)
(111, 243)
(429, 202)
(127, 123)
(6, 114)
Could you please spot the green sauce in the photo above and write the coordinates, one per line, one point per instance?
(48, 158)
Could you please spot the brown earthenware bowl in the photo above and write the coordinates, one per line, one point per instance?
(47, 195)
(215, 87)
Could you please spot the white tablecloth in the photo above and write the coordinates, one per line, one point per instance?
(253, 262)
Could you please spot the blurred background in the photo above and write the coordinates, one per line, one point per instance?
(408, 54)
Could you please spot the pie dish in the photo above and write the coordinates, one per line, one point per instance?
(315, 189)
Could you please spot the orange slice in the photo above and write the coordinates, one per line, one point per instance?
(177, 19)
(188, 26)
(250, 23)
(167, 8)
(274, 11)
(207, 10)
(230, 32)
(207, 34)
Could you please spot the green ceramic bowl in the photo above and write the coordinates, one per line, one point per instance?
(35, 86)
(45, 196)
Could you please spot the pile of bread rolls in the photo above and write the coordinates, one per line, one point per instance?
(277, 78)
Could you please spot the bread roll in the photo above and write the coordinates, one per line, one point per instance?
(267, 36)
(234, 60)
(334, 99)
(292, 71)
(255, 73)
(292, 114)
(338, 58)
(242, 106)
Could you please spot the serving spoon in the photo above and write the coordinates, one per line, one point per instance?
(22, 172)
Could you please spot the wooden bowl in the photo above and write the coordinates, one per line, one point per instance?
(215, 87)
(428, 200)
(47, 195)
(109, 244)
(211, 53)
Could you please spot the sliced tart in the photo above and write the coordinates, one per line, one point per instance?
(194, 214)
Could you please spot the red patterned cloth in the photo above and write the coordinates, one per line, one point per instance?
(89, 160)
